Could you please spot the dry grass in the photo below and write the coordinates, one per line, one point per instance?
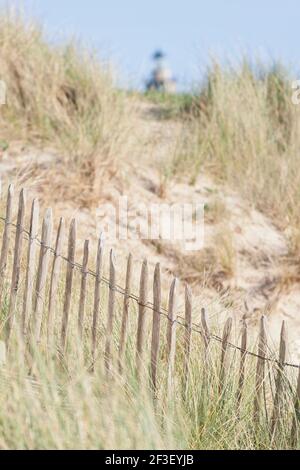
(245, 132)
(62, 97)
(225, 251)
(216, 211)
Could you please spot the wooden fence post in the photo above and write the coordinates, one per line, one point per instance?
(111, 311)
(242, 364)
(16, 265)
(82, 299)
(32, 246)
(279, 379)
(56, 265)
(296, 417)
(42, 273)
(155, 325)
(69, 283)
(171, 336)
(125, 313)
(206, 341)
(225, 340)
(205, 332)
(6, 238)
(141, 318)
(97, 290)
(188, 333)
(260, 368)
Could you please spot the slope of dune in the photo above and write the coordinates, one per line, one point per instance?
(245, 258)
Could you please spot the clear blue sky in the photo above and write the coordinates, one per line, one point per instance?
(189, 31)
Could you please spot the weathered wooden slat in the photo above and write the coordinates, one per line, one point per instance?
(6, 238)
(42, 273)
(123, 335)
(111, 313)
(30, 270)
(225, 339)
(171, 336)
(244, 339)
(260, 369)
(97, 291)
(69, 283)
(143, 298)
(188, 333)
(16, 266)
(54, 282)
(206, 340)
(295, 430)
(155, 325)
(83, 285)
(279, 379)
(205, 331)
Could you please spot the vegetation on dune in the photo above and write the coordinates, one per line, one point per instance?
(62, 97)
(243, 128)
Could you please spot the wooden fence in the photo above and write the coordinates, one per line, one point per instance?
(40, 267)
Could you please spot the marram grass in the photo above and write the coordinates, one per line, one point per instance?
(50, 400)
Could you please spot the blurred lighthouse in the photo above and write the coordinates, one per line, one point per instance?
(161, 78)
